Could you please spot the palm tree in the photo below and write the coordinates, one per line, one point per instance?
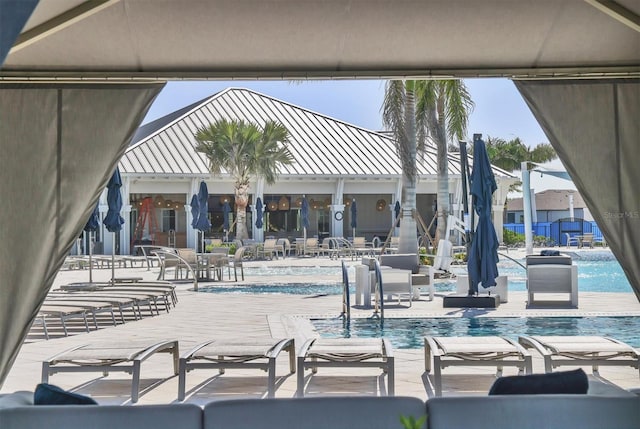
(509, 155)
(244, 151)
(412, 110)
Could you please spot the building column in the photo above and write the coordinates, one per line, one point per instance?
(337, 220)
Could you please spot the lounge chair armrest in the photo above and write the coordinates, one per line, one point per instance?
(305, 346)
(282, 344)
(191, 352)
(386, 346)
(435, 348)
(532, 343)
(521, 350)
(159, 347)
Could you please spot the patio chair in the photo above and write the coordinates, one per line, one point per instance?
(586, 241)
(223, 354)
(551, 274)
(269, 249)
(582, 351)
(473, 351)
(345, 353)
(311, 247)
(110, 357)
(236, 263)
(572, 240)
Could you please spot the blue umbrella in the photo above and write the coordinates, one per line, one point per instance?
(226, 209)
(483, 254)
(258, 213)
(113, 221)
(195, 210)
(92, 225)
(396, 210)
(304, 213)
(354, 216)
(203, 223)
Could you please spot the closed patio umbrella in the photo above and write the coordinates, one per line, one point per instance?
(203, 223)
(396, 211)
(113, 221)
(92, 226)
(304, 215)
(226, 209)
(483, 254)
(258, 213)
(354, 217)
(195, 209)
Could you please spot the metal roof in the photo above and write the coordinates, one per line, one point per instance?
(321, 146)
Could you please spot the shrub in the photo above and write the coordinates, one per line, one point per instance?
(510, 238)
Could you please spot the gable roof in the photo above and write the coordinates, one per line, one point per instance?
(321, 145)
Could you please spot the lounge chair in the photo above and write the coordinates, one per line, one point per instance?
(109, 357)
(251, 353)
(64, 313)
(582, 351)
(586, 240)
(473, 351)
(346, 352)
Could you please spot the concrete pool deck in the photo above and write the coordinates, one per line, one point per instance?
(201, 316)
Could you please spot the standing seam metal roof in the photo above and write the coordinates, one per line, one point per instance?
(321, 146)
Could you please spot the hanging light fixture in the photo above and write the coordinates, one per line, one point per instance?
(168, 204)
(177, 205)
(380, 205)
(225, 199)
(347, 201)
(272, 206)
(327, 203)
(158, 201)
(298, 202)
(283, 203)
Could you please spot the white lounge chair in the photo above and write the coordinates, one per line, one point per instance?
(110, 357)
(346, 352)
(473, 351)
(591, 351)
(223, 354)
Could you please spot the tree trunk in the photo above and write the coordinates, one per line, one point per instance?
(443, 172)
(408, 240)
(242, 200)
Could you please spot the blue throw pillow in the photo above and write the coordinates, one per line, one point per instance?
(555, 382)
(48, 394)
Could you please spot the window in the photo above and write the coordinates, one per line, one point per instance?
(168, 220)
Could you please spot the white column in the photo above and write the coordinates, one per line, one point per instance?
(526, 203)
(125, 232)
(337, 220)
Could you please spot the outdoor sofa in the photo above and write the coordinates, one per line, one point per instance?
(355, 412)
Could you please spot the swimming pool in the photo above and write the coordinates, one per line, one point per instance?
(597, 272)
(409, 333)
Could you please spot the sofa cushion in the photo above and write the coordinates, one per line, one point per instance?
(355, 412)
(173, 416)
(533, 412)
(544, 260)
(48, 394)
(569, 382)
(16, 399)
(402, 261)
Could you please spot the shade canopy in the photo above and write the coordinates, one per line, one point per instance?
(483, 254)
(259, 213)
(113, 221)
(340, 38)
(62, 143)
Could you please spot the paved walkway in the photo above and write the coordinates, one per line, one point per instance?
(201, 316)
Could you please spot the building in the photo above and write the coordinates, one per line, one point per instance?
(549, 206)
(335, 164)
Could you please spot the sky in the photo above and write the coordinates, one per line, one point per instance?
(499, 109)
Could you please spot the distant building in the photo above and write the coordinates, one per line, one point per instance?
(550, 206)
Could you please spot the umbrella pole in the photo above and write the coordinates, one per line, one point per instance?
(113, 259)
(90, 262)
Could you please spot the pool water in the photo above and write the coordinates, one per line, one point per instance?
(599, 273)
(409, 333)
